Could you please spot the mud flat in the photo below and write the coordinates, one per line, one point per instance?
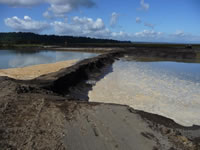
(46, 113)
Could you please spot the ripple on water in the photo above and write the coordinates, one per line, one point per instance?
(156, 89)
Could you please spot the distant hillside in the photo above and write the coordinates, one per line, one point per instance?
(31, 38)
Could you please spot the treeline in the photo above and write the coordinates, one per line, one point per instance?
(32, 38)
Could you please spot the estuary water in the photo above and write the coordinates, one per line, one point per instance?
(170, 89)
(23, 58)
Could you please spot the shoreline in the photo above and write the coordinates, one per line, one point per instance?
(46, 113)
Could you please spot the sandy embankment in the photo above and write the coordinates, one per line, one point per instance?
(34, 71)
(33, 117)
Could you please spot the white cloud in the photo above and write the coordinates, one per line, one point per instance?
(89, 24)
(154, 36)
(82, 27)
(179, 33)
(121, 36)
(144, 6)
(138, 20)
(20, 3)
(96, 28)
(148, 33)
(58, 8)
(149, 25)
(183, 37)
(87, 27)
(145, 36)
(46, 14)
(114, 19)
(27, 18)
(26, 24)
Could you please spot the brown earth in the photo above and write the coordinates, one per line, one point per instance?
(39, 121)
(39, 114)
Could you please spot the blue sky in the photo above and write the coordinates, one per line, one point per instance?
(134, 20)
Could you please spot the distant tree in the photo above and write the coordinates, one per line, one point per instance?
(12, 38)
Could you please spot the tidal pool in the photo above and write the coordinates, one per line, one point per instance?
(23, 58)
(169, 89)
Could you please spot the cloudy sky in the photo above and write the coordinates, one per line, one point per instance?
(135, 20)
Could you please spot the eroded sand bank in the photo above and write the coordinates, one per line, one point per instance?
(33, 117)
(34, 71)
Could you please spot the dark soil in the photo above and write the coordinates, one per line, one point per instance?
(47, 113)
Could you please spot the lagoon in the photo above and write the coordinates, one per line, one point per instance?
(23, 58)
(167, 88)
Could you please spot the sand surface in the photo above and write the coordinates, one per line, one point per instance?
(33, 117)
(34, 71)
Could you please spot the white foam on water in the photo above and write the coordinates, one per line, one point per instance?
(141, 87)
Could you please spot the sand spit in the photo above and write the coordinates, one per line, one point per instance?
(31, 72)
(37, 114)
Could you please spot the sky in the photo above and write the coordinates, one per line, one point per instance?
(176, 21)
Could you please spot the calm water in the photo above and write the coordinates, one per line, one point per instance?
(13, 59)
(170, 89)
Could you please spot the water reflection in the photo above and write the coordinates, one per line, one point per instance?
(21, 60)
(167, 88)
(16, 58)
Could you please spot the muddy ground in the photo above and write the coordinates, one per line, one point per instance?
(52, 112)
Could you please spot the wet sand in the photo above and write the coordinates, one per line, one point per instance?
(31, 72)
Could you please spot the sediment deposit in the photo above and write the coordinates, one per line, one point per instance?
(46, 113)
